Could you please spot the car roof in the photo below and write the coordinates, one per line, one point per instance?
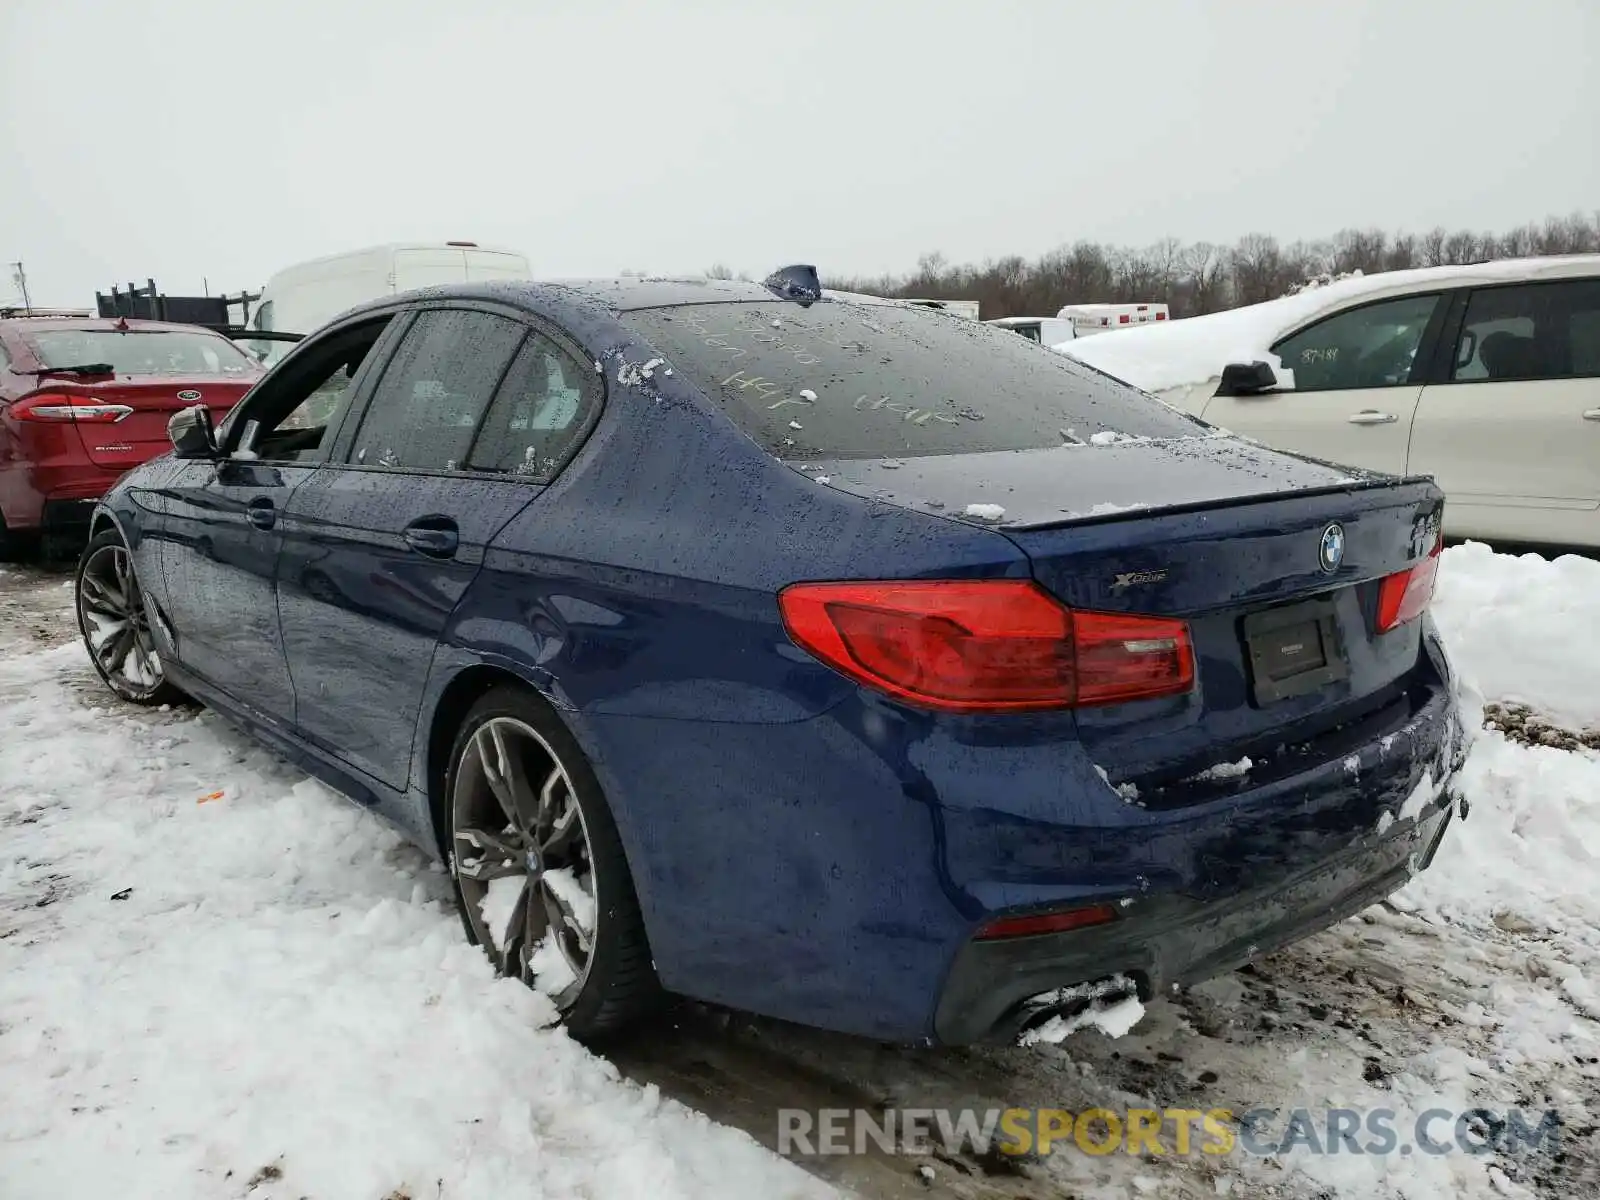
(92, 324)
(619, 295)
(632, 292)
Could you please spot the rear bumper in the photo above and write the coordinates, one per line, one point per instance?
(1175, 940)
(56, 498)
(67, 518)
(834, 870)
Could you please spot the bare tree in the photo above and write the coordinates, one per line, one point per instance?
(1433, 247)
(1402, 253)
(1359, 250)
(1206, 269)
(1257, 266)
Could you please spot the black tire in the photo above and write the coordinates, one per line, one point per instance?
(617, 984)
(15, 547)
(119, 597)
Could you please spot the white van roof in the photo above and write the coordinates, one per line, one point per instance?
(388, 251)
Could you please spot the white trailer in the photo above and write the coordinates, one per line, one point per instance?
(1089, 319)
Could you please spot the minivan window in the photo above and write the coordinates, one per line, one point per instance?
(142, 352)
(1368, 347)
(435, 390)
(847, 380)
(1531, 331)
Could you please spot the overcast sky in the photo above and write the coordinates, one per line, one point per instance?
(190, 140)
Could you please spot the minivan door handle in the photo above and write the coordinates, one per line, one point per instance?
(261, 513)
(1371, 416)
(437, 537)
(1591, 414)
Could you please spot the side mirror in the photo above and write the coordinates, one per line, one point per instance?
(1247, 379)
(191, 433)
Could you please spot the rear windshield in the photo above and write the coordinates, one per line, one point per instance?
(847, 380)
(152, 352)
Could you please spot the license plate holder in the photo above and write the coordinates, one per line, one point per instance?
(1293, 650)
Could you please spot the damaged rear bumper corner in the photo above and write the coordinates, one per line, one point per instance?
(997, 991)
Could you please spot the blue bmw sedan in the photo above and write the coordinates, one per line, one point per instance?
(838, 660)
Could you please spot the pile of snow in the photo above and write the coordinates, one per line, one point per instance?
(1525, 629)
(985, 512)
(1192, 351)
(266, 991)
(1323, 280)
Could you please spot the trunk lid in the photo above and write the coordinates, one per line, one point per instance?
(1076, 483)
(142, 434)
(1228, 536)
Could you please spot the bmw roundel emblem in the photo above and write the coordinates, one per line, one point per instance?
(1331, 551)
(189, 394)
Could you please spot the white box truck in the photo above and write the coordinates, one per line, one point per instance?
(1047, 331)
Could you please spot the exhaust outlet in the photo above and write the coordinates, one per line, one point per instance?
(1111, 1004)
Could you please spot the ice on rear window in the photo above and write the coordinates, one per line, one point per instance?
(837, 380)
(143, 351)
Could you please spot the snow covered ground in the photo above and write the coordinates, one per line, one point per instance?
(219, 980)
(268, 992)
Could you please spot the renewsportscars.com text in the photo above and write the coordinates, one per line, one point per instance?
(1167, 1131)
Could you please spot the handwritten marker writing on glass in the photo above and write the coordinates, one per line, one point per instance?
(795, 425)
(808, 395)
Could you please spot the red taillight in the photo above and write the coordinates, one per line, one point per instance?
(1405, 595)
(1123, 319)
(49, 406)
(1049, 922)
(1161, 316)
(1130, 658)
(997, 645)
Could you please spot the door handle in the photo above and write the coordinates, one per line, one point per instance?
(261, 513)
(1591, 414)
(437, 537)
(1371, 416)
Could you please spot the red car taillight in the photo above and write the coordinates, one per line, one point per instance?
(997, 645)
(49, 406)
(1032, 924)
(1405, 595)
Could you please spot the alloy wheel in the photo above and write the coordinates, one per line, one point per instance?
(116, 624)
(522, 858)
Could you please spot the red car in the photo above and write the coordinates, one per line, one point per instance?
(82, 400)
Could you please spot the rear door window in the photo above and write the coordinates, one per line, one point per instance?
(545, 405)
(426, 408)
(848, 380)
(1531, 331)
